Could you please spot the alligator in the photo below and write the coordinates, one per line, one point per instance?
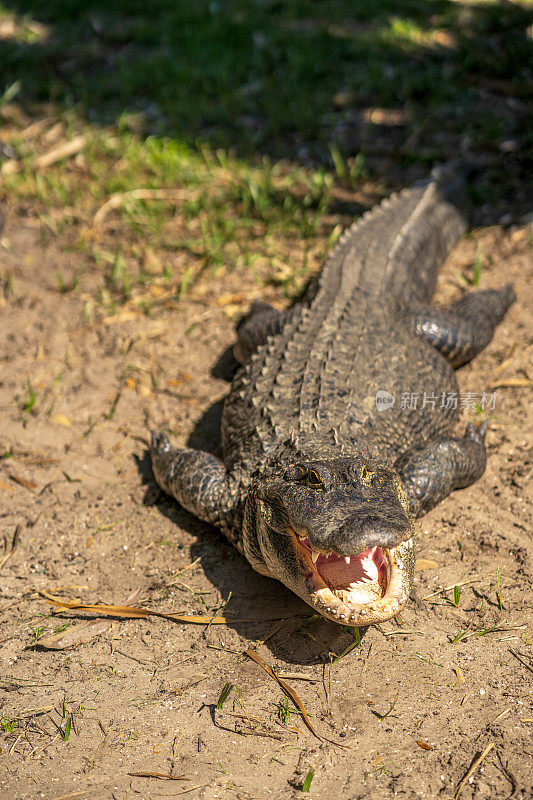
(321, 484)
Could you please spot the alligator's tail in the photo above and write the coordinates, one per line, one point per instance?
(438, 220)
(399, 246)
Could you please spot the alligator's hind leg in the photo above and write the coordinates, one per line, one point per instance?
(198, 481)
(430, 472)
(263, 320)
(461, 332)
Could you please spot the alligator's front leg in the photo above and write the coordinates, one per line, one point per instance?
(433, 470)
(462, 331)
(198, 481)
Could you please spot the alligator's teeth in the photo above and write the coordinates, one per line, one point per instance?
(301, 537)
(347, 559)
(314, 556)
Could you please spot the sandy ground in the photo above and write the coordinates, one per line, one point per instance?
(406, 713)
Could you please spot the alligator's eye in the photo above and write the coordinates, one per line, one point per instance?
(314, 481)
(367, 476)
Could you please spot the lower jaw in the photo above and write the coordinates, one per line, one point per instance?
(330, 605)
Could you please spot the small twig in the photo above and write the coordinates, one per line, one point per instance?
(14, 543)
(159, 775)
(133, 658)
(220, 611)
(326, 692)
(294, 676)
(391, 709)
(473, 768)
(519, 657)
(365, 665)
(449, 588)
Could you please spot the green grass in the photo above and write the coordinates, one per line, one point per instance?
(8, 725)
(28, 401)
(245, 121)
(306, 785)
(228, 214)
(258, 75)
(224, 694)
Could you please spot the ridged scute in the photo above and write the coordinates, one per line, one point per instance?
(348, 339)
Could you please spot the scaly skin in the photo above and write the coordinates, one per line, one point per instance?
(318, 488)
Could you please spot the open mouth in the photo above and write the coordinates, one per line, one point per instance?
(360, 589)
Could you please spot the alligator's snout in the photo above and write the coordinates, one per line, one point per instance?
(362, 532)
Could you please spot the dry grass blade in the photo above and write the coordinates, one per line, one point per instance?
(288, 691)
(132, 612)
(117, 200)
(33, 712)
(512, 383)
(14, 543)
(29, 485)
(500, 716)
(159, 775)
(82, 633)
(475, 579)
(295, 676)
(64, 150)
(186, 791)
(72, 795)
(389, 711)
(473, 768)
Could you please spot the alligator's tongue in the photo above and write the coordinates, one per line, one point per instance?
(365, 566)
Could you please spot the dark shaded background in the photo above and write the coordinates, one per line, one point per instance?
(395, 83)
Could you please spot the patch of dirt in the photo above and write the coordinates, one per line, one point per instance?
(405, 713)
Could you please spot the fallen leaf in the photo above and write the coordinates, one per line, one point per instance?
(22, 482)
(459, 673)
(62, 419)
(161, 776)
